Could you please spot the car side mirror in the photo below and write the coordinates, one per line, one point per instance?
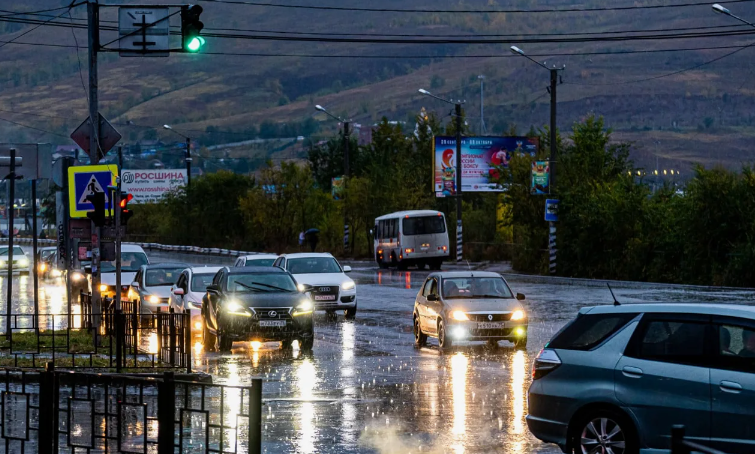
(213, 289)
(520, 296)
(347, 269)
(178, 291)
(432, 297)
(135, 284)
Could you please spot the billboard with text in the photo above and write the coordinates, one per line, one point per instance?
(150, 186)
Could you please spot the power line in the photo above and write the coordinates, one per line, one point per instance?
(32, 127)
(9, 13)
(34, 28)
(451, 11)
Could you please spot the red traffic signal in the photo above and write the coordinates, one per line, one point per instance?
(125, 199)
(125, 212)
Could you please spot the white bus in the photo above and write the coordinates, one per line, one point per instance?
(411, 238)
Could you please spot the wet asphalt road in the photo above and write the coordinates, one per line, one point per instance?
(366, 389)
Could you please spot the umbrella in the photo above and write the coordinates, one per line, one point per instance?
(312, 231)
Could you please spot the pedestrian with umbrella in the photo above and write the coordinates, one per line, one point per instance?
(313, 236)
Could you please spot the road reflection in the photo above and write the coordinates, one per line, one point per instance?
(518, 402)
(350, 391)
(306, 380)
(459, 368)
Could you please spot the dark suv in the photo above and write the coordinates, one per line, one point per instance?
(255, 304)
(617, 378)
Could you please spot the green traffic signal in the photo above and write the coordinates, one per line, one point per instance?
(191, 27)
(195, 44)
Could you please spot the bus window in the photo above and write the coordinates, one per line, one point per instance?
(424, 225)
(394, 229)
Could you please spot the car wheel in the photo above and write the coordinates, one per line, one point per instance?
(208, 339)
(351, 313)
(420, 338)
(604, 431)
(306, 344)
(224, 343)
(444, 341)
(521, 343)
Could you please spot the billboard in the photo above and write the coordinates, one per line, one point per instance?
(337, 187)
(480, 158)
(150, 186)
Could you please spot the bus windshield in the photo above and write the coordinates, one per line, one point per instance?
(424, 225)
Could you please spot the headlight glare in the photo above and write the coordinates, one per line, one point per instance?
(75, 277)
(233, 306)
(459, 315)
(517, 315)
(103, 288)
(306, 305)
(301, 287)
(195, 306)
(23, 262)
(348, 285)
(153, 299)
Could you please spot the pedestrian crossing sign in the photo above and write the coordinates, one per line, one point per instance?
(86, 180)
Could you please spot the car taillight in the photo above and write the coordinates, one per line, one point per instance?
(546, 362)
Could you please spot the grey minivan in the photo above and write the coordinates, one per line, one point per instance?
(616, 379)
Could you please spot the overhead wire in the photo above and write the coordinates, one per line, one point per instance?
(39, 25)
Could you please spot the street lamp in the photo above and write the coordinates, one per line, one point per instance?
(554, 82)
(187, 155)
(457, 106)
(346, 133)
(721, 10)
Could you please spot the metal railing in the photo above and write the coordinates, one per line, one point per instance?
(45, 412)
(681, 446)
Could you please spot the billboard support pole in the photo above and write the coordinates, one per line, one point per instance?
(459, 242)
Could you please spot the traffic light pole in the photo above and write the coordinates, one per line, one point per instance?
(346, 133)
(11, 214)
(93, 15)
(188, 162)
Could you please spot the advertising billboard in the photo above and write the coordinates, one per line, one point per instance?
(480, 159)
(541, 172)
(150, 186)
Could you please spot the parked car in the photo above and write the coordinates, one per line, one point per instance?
(324, 280)
(43, 261)
(132, 259)
(20, 259)
(619, 377)
(256, 304)
(469, 306)
(256, 260)
(152, 286)
(189, 290)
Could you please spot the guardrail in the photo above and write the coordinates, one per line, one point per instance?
(156, 247)
(681, 446)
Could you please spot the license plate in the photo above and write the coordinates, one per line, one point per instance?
(489, 325)
(276, 323)
(325, 297)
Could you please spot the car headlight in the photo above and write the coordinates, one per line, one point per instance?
(233, 306)
(23, 262)
(517, 315)
(301, 287)
(103, 288)
(459, 315)
(58, 273)
(75, 277)
(305, 307)
(2, 262)
(42, 267)
(347, 285)
(153, 299)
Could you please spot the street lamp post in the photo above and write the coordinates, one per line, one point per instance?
(187, 153)
(725, 11)
(554, 83)
(346, 172)
(457, 107)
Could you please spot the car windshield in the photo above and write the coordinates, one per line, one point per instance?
(259, 262)
(161, 277)
(475, 287)
(17, 251)
(45, 254)
(313, 265)
(130, 262)
(424, 225)
(273, 283)
(199, 282)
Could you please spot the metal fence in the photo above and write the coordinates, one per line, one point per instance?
(49, 412)
(107, 340)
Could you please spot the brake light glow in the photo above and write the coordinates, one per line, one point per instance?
(408, 250)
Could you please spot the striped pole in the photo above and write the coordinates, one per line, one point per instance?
(459, 242)
(346, 237)
(552, 248)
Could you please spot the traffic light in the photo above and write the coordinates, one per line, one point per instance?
(98, 215)
(125, 212)
(191, 26)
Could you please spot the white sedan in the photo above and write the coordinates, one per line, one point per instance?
(324, 280)
(187, 294)
(256, 260)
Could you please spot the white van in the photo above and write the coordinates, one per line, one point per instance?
(411, 238)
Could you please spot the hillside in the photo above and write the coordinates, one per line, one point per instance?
(700, 115)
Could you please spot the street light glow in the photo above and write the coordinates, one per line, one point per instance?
(720, 9)
(423, 91)
(517, 50)
(320, 108)
(167, 127)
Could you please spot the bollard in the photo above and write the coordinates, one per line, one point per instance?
(187, 339)
(47, 414)
(166, 402)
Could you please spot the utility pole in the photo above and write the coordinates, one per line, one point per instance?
(554, 84)
(11, 213)
(188, 161)
(482, 105)
(346, 133)
(93, 15)
(459, 242)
